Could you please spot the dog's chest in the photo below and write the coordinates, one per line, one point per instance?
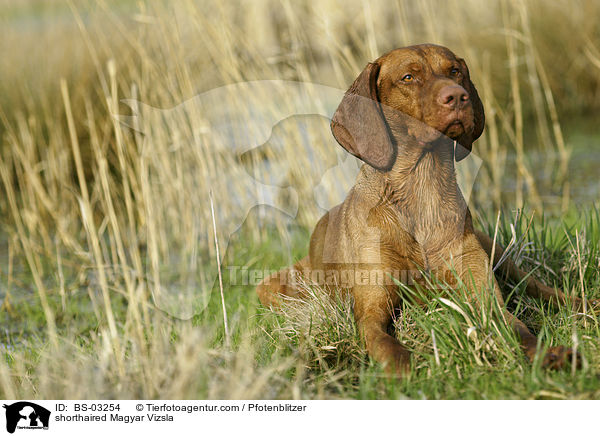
(425, 236)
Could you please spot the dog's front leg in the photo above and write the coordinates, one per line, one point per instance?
(475, 272)
(554, 358)
(373, 308)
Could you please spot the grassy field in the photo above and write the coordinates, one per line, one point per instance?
(97, 218)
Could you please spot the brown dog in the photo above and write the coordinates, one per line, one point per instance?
(408, 116)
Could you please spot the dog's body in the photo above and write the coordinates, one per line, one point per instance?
(408, 116)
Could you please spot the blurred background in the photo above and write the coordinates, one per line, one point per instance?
(92, 209)
(536, 64)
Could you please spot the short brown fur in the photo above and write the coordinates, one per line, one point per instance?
(409, 115)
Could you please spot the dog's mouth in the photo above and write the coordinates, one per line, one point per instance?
(453, 126)
(454, 129)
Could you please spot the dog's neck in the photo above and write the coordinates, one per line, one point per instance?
(423, 188)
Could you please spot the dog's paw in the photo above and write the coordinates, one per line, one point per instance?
(399, 367)
(394, 357)
(561, 357)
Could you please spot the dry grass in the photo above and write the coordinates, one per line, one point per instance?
(98, 219)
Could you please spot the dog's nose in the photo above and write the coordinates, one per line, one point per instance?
(453, 96)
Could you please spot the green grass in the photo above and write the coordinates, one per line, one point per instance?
(87, 205)
(312, 349)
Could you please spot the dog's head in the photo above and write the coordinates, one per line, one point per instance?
(418, 94)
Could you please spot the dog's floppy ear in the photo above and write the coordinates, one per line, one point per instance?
(358, 123)
(465, 143)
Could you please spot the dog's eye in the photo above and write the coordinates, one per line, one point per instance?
(454, 71)
(408, 78)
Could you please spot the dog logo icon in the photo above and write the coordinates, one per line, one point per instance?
(26, 415)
